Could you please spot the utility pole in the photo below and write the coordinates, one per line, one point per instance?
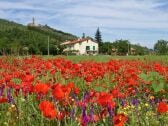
(48, 45)
(128, 48)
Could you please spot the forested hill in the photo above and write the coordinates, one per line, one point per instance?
(19, 39)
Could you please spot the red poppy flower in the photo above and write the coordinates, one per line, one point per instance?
(71, 85)
(66, 90)
(48, 65)
(48, 109)
(162, 107)
(76, 90)
(119, 120)
(41, 89)
(28, 78)
(104, 99)
(49, 113)
(3, 100)
(58, 92)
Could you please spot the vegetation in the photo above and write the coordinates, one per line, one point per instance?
(161, 47)
(57, 92)
(15, 38)
(18, 39)
(98, 37)
(105, 58)
(122, 47)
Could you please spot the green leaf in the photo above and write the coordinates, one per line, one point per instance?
(98, 88)
(143, 76)
(157, 87)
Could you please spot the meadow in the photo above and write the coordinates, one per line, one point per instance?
(84, 91)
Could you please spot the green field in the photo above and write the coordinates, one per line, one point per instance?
(104, 58)
(48, 91)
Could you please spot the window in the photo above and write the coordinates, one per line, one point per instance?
(87, 48)
(93, 47)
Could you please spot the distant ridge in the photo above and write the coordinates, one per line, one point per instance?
(14, 37)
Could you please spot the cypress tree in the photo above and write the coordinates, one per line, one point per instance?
(98, 36)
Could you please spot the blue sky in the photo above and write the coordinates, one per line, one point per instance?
(140, 21)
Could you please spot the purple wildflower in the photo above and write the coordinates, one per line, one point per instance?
(1, 91)
(135, 102)
(72, 114)
(91, 114)
(9, 96)
(85, 119)
(86, 96)
(123, 102)
(110, 111)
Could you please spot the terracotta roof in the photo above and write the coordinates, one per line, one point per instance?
(75, 41)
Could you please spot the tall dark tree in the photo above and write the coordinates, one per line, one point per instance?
(83, 35)
(98, 39)
(98, 36)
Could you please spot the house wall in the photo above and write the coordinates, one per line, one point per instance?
(70, 47)
(82, 46)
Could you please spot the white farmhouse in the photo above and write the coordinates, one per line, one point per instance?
(82, 46)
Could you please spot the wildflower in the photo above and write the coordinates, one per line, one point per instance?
(135, 102)
(162, 107)
(58, 92)
(147, 105)
(9, 96)
(60, 115)
(28, 78)
(48, 65)
(48, 109)
(91, 115)
(1, 91)
(76, 90)
(105, 99)
(151, 97)
(3, 100)
(85, 118)
(72, 114)
(119, 120)
(115, 93)
(41, 89)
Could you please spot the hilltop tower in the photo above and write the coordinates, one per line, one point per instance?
(33, 24)
(33, 21)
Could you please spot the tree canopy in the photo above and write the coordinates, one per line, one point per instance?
(122, 47)
(161, 47)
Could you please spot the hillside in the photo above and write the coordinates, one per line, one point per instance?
(19, 39)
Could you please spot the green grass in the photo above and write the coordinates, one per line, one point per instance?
(104, 58)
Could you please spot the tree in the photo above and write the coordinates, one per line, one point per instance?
(98, 36)
(98, 39)
(106, 48)
(83, 35)
(122, 46)
(161, 47)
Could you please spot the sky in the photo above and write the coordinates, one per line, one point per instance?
(139, 21)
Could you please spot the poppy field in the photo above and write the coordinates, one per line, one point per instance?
(35, 91)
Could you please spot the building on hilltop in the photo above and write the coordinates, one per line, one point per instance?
(33, 24)
(81, 46)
